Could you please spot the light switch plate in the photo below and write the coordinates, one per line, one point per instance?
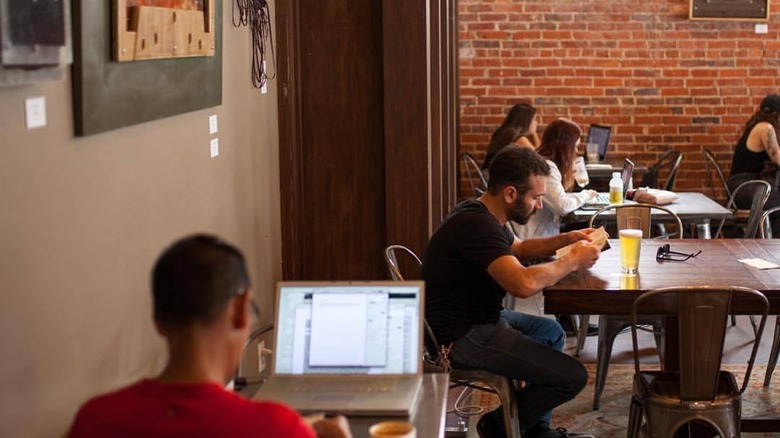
(214, 147)
(213, 124)
(35, 112)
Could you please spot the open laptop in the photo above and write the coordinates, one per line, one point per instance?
(600, 134)
(352, 348)
(602, 199)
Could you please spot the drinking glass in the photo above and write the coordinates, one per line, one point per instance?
(630, 246)
(592, 151)
(580, 172)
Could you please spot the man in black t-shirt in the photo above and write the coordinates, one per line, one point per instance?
(473, 260)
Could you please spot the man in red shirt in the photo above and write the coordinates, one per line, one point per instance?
(202, 303)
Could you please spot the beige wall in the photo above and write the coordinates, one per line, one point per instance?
(83, 218)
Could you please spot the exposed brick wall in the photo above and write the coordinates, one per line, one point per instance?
(659, 79)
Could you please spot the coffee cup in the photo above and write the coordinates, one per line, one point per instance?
(392, 429)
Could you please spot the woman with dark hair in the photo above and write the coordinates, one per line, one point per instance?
(559, 148)
(518, 128)
(757, 148)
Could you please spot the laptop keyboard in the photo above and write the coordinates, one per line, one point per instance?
(601, 198)
(372, 385)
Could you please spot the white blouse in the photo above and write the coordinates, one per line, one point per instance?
(557, 203)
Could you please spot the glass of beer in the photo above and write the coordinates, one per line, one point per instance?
(630, 245)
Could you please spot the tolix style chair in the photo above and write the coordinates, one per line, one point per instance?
(612, 325)
(502, 386)
(698, 390)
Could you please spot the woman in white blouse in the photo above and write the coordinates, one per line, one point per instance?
(559, 147)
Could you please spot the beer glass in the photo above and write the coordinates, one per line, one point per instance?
(630, 246)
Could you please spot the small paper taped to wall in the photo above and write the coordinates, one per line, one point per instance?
(599, 236)
(760, 263)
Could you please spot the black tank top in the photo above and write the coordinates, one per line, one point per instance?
(745, 160)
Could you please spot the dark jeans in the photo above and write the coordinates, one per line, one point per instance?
(745, 198)
(528, 348)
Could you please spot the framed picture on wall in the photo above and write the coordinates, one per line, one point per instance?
(754, 10)
(109, 94)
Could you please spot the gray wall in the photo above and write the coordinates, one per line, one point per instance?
(82, 220)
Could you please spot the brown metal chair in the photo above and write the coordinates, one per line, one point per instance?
(699, 390)
(612, 325)
(502, 386)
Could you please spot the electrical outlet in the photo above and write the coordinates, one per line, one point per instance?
(261, 357)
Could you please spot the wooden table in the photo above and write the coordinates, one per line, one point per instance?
(602, 289)
(693, 208)
(429, 417)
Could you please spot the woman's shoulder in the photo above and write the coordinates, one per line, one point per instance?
(761, 127)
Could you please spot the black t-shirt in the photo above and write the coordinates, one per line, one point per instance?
(459, 292)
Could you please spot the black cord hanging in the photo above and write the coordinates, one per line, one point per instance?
(256, 15)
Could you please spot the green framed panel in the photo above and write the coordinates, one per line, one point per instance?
(109, 95)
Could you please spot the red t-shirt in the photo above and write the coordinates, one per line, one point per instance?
(152, 409)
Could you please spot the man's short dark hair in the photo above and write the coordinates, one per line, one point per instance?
(515, 166)
(194, 279)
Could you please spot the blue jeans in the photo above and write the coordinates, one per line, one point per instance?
(528, 348)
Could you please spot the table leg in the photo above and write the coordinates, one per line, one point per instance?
(703, 229)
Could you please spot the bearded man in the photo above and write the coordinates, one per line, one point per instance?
(472, 261)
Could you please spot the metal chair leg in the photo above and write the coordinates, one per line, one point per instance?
(773, 354)
(582, 333)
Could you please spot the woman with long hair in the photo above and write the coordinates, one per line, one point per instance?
(518, 128)
(756, 149)
(559, 147)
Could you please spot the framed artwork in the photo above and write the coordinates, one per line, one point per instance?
(35, 40)
(154, 29)
(755, 10)
(108, 94)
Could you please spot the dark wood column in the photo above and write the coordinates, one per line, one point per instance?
(367, 120)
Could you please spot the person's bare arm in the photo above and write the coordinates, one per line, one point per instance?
(529, 250)
(524, 282)
(771, 145)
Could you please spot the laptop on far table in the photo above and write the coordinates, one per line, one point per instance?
(352, 348)
(602, 199)
(600, 134)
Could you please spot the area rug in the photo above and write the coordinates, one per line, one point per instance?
(612, 419)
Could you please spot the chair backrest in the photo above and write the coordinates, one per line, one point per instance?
(765, 226)
(669, 163)
(627, 216)
(473, 171)
(711, 164)
(760, 190)
(391, 259)
(702, 313)
(431, 345)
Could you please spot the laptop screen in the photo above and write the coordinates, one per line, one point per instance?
(626, 174)
(348, 328)
(600, 134)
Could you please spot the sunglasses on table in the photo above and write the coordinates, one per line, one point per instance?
(665, 254)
